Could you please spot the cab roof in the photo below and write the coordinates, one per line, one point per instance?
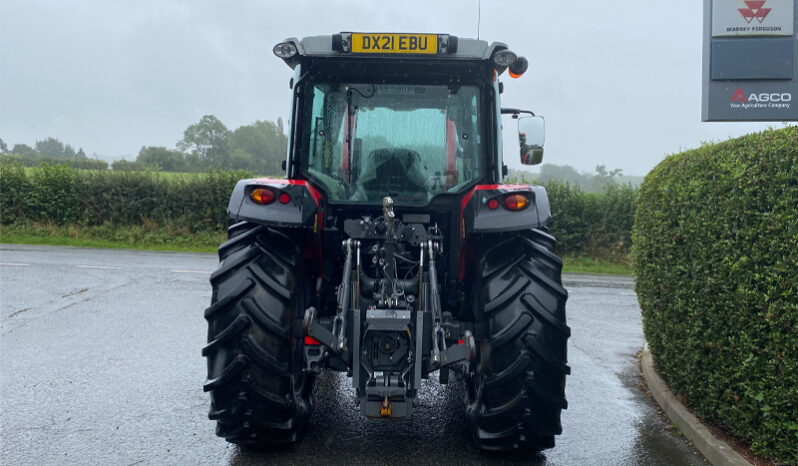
(341, 45)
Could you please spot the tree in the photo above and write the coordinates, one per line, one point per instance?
(562, 173)
(601, 171)
(167, 160)
(81, 154)
(3, 147)
(208, 138)
(264, 142)
(603, 178)
(51, 147)
(242, 160)
(24, 149)
(194, 163)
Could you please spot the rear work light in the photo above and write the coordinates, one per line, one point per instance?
(504, 58)
(515, 202)
(285, 50)
(262, 196)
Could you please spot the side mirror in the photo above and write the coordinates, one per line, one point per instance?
(531, 136)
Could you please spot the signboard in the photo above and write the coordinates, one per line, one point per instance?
(752, 17)
(750, 70)
(754, 101)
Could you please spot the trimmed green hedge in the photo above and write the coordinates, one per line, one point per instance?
(63, 195)
(715, 253)
(586, 224)
(591, 224)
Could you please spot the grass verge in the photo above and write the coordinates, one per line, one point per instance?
(581, 264)
(152, 237)
(108, 236)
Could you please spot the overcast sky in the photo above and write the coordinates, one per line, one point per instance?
(619, 82)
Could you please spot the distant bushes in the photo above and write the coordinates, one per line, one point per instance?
(716, 260)
(130, 166)
(29, 160)
(63, 195)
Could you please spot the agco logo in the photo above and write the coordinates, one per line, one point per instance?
(760, 100)
(754, 10)
(739, 96)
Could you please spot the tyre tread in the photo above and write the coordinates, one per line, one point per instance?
(517, 396)
(253, 360)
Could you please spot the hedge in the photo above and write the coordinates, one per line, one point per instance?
(591, 224)
(715, 254)
(588, 224)
(63, 196)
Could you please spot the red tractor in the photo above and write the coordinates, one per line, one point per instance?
(391, 249)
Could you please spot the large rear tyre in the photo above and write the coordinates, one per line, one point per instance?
(259, 392)
(516, 390)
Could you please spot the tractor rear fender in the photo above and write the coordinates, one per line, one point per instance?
(483, 209)
(295, 203)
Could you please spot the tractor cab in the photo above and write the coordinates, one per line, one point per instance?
(406, 115)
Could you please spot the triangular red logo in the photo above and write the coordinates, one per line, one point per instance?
(754, 10)
(747, 13)
(739, 96)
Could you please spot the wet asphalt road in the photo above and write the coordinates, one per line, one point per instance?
(100, 364)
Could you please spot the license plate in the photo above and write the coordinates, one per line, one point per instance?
(394, 43)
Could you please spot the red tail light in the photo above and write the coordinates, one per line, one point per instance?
(516, 202)
(312, 341)
(262, 196)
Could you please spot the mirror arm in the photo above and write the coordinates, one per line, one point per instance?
(516, 111)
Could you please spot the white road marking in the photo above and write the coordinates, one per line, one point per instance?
(204, 272)
(102, 267)
(14, 264)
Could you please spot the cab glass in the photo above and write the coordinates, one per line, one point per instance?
(367, 141)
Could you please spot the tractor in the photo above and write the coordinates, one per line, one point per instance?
(391, 250)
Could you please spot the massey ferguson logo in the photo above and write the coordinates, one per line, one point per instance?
(739, 100)
(755, 10)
